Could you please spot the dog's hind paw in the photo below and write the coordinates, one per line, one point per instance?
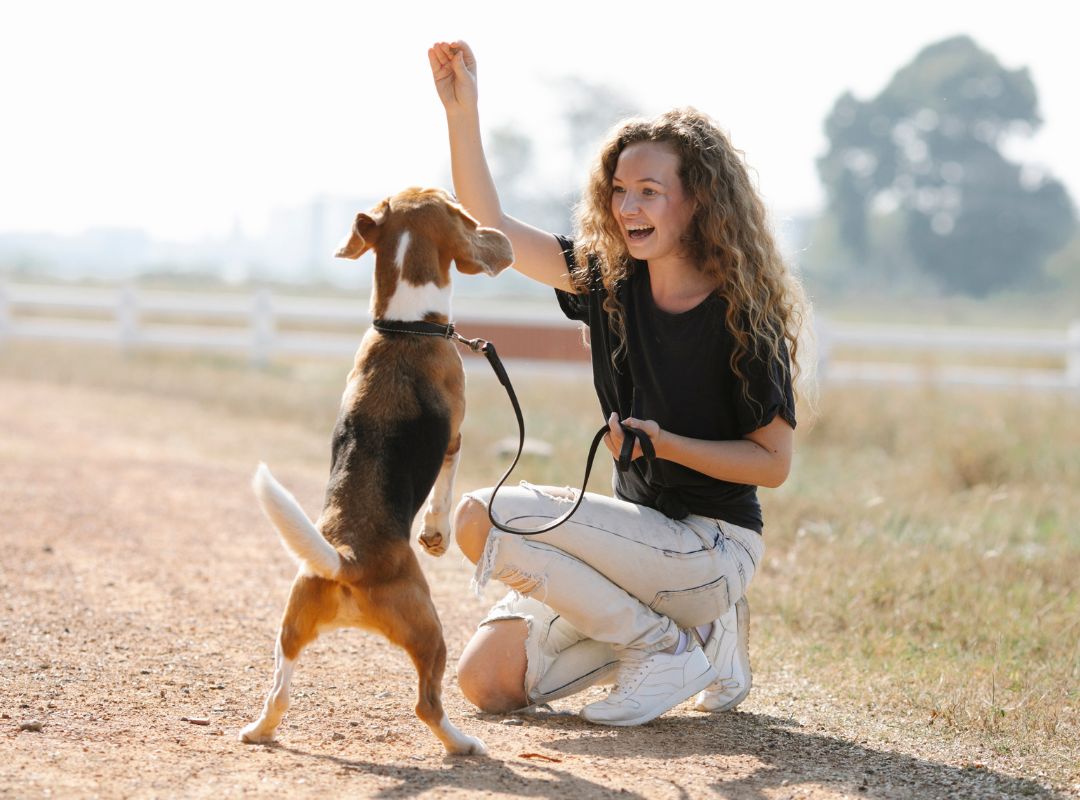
(434, 541)
(467, 746)
(253, 735)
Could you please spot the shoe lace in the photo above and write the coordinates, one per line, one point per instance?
(629, 674)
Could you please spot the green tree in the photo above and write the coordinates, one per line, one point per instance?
(929, 147)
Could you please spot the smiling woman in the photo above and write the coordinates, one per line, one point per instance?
(649, 203)
(692, 315)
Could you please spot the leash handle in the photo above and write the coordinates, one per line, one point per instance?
(627, 451)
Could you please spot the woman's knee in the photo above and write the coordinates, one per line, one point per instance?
(471, 526)
(491, 670)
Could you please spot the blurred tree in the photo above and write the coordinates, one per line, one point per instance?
(590, 110)
(929, 147)
(543, 194)
(1064, 268)
(511, 158)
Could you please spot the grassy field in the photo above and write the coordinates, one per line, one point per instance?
(923, 559)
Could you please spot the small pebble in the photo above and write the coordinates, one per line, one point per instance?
(30, 725)
(513, 722)
(195, 720)
(337, 737)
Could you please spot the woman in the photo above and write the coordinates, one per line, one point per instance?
(692, 314)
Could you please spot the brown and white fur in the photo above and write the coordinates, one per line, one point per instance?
(397, 438)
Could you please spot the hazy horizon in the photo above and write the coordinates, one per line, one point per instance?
(192, 121)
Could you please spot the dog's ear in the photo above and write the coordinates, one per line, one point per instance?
(480, 249)
(363, 236)
(486, 250)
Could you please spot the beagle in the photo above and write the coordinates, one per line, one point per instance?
(397, 438)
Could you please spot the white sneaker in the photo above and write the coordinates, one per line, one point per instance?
(647, 685)
(728, 650)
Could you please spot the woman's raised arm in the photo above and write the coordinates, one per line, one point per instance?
(536, 252)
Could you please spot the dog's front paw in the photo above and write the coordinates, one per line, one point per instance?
(433, 540)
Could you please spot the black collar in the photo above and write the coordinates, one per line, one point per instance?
(416, 327)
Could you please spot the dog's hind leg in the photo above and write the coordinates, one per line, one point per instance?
(312, 602)
(277, 702)
(428, 654)
(407, 617)
(435, 535)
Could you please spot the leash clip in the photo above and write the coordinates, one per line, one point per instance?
(476, 345)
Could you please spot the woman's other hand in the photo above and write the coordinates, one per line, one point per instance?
(613, 439)
(453, 67)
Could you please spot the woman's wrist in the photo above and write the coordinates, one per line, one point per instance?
(660, 442)
(463, 115)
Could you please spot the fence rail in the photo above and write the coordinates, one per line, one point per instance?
(265, 326)
(932, 343)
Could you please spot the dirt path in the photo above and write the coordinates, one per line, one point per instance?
(140, 586)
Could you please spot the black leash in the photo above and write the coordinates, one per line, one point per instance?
(488, 349)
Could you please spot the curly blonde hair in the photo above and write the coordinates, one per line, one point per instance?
(728, 237)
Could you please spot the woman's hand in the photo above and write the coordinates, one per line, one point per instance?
(453, 66)
(613, 439)
(761, 458)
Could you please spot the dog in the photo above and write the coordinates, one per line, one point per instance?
(397, 440)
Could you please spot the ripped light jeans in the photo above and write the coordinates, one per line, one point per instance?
(616, 575)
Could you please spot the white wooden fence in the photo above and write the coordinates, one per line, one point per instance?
(934, 355)
(263, 326)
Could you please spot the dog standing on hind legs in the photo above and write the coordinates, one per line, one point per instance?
(397, 439)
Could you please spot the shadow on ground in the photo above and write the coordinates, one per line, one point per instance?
(785, 758)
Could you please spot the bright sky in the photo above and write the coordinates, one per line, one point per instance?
(184, 117)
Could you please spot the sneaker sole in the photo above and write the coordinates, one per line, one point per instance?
(704, 680)
(730, 704)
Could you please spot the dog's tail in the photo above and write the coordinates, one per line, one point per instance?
(300, 537)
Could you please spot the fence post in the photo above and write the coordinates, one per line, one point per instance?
(5, 313)
(262, 328)
(1072, 356)
(127, 318)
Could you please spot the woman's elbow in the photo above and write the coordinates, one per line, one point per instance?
(778, 472)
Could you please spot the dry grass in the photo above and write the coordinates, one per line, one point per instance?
(927, 553)
(923, 558)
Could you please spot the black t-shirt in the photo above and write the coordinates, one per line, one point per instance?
(676, 371)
